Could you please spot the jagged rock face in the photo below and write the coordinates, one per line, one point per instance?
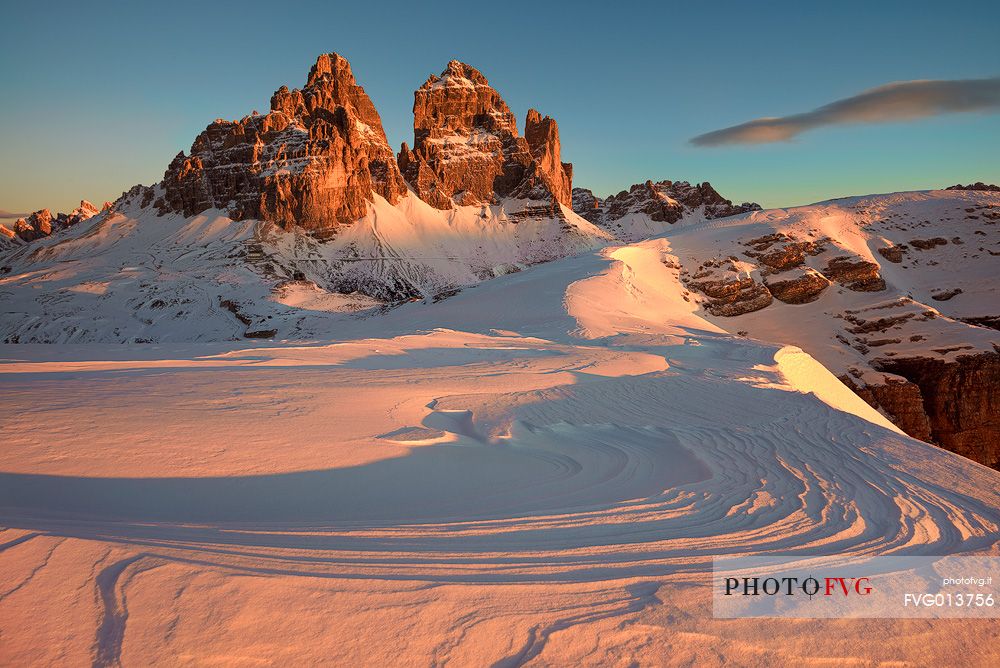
(663, 201)
(556, 176)
(84, 211)
(312, 161)
(586, 204)
(960, 399)
(466, 149)
(42, 223)
(898, 398)
(35, 226)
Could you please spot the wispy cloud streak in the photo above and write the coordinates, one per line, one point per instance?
(8, 214)
(899, 101)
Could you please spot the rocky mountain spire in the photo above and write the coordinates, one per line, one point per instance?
(314, 160)
(466, 149)
(542, 135)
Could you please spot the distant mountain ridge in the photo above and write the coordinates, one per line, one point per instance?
(42, 223)
(646, 209)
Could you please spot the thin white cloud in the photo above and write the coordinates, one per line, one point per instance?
(899, 101)
(8, 214)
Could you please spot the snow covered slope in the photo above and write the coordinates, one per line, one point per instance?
(132, 275)
(535, 471)
(898, 294)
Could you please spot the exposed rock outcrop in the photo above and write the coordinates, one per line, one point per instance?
(730, 292)
(894, 253)
(855, 274)
(782, 268)
(779, 252)
(905, 347)
(797, 287)
(467, 151)
(928, 244)
(991, 321)
(945, 295)
(312, 161)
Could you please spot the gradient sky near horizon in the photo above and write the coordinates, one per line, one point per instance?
(98, 97)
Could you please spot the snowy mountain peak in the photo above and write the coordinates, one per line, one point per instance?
(467, 151)
(332, 67)
(457, 75)
(313, 161)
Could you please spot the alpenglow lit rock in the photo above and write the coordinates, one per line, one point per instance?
(313, 161)
(467, 151)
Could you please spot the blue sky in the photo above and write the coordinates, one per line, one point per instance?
(98, 98)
